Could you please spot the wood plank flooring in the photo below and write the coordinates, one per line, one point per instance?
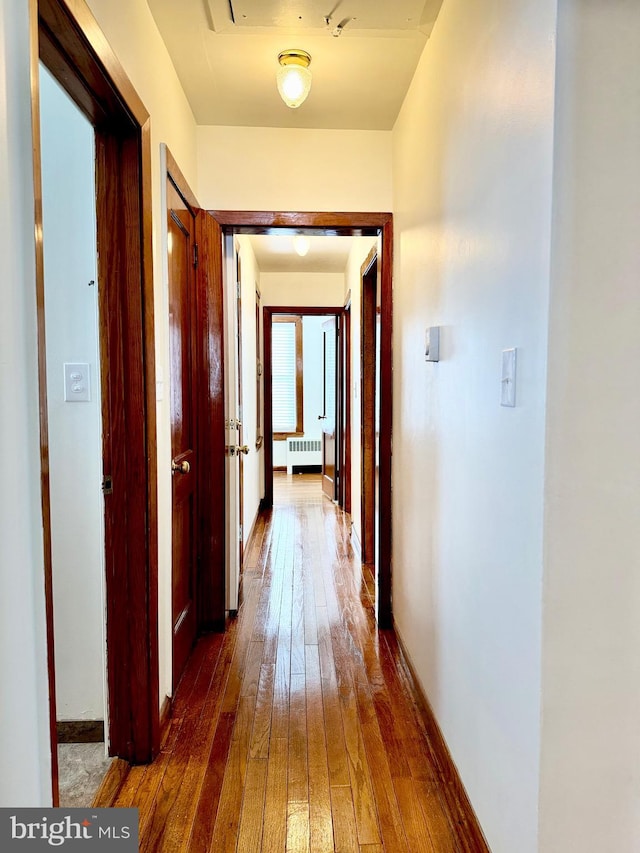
(297, 731)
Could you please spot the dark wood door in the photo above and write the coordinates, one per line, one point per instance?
(328, 418)
(182, 316)
(211, 425)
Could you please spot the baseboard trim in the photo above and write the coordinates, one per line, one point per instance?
(355, 542)
(280, 468)
(80, 731)
(454, 792)
(165, 718)
(252, 533)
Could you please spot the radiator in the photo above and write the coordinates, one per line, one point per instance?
(303, 451)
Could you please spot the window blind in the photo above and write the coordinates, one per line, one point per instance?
(283, 374)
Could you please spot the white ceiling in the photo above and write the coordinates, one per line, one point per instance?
(275, 253)
(226, 55)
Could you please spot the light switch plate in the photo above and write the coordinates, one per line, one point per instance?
(432, 344)
(77, 384)
(508, 383)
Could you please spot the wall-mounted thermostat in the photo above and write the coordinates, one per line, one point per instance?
(432, 344)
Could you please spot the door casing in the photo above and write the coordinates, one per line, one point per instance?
(349, 224)
(332, 336)
(68, 41)
(268, 313)
(209, 406)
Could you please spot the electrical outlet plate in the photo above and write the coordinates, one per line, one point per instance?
(77, 383)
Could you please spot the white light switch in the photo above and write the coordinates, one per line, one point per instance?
(77, 385)
(508, 395)
(432, 344)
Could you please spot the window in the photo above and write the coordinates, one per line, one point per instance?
(286, 376)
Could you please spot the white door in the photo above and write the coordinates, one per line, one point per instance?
(232, 417)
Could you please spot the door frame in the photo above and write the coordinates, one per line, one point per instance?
(349, 224)
(268, 312)
(174, 177)
(344, 498)
(368, 374)
(338, 394)
(66, 38)
(209, 405)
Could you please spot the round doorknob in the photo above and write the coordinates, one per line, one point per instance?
(180, 467)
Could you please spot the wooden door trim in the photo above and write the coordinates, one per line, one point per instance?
(185, 628)
(345, 481)
(385, 612)
(42, 384)
(331, 488)
(347, 223)
(174, 172)
(368, 295)
(68, 40)
(209, 413)
(268, 312)
(308, 222)
(211, 403)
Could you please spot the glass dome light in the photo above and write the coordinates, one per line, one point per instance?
(293, 77)
(301, 244)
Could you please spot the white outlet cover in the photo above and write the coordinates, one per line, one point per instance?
(77, 382)
(508, 379)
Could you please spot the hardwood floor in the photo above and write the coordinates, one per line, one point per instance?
(298, 729)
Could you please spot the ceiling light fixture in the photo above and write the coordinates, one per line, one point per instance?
(301, 244)
(294, 77)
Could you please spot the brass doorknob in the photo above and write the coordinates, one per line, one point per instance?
(244, 449)
(180, 467)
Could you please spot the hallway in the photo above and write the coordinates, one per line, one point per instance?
(296, 730)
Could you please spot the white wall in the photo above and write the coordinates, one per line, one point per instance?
(308, 290)
(266, 168)
(134, 36)
(75, 440)
(24, 708)
(472, 202)
(590, 774)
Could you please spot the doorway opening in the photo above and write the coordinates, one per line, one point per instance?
(69, 44)
(75, 442)
(238, 224)
(304, 370)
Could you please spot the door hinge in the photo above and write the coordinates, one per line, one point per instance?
(195, 255)
(240, 533)
(107, 484)
(238, 289)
